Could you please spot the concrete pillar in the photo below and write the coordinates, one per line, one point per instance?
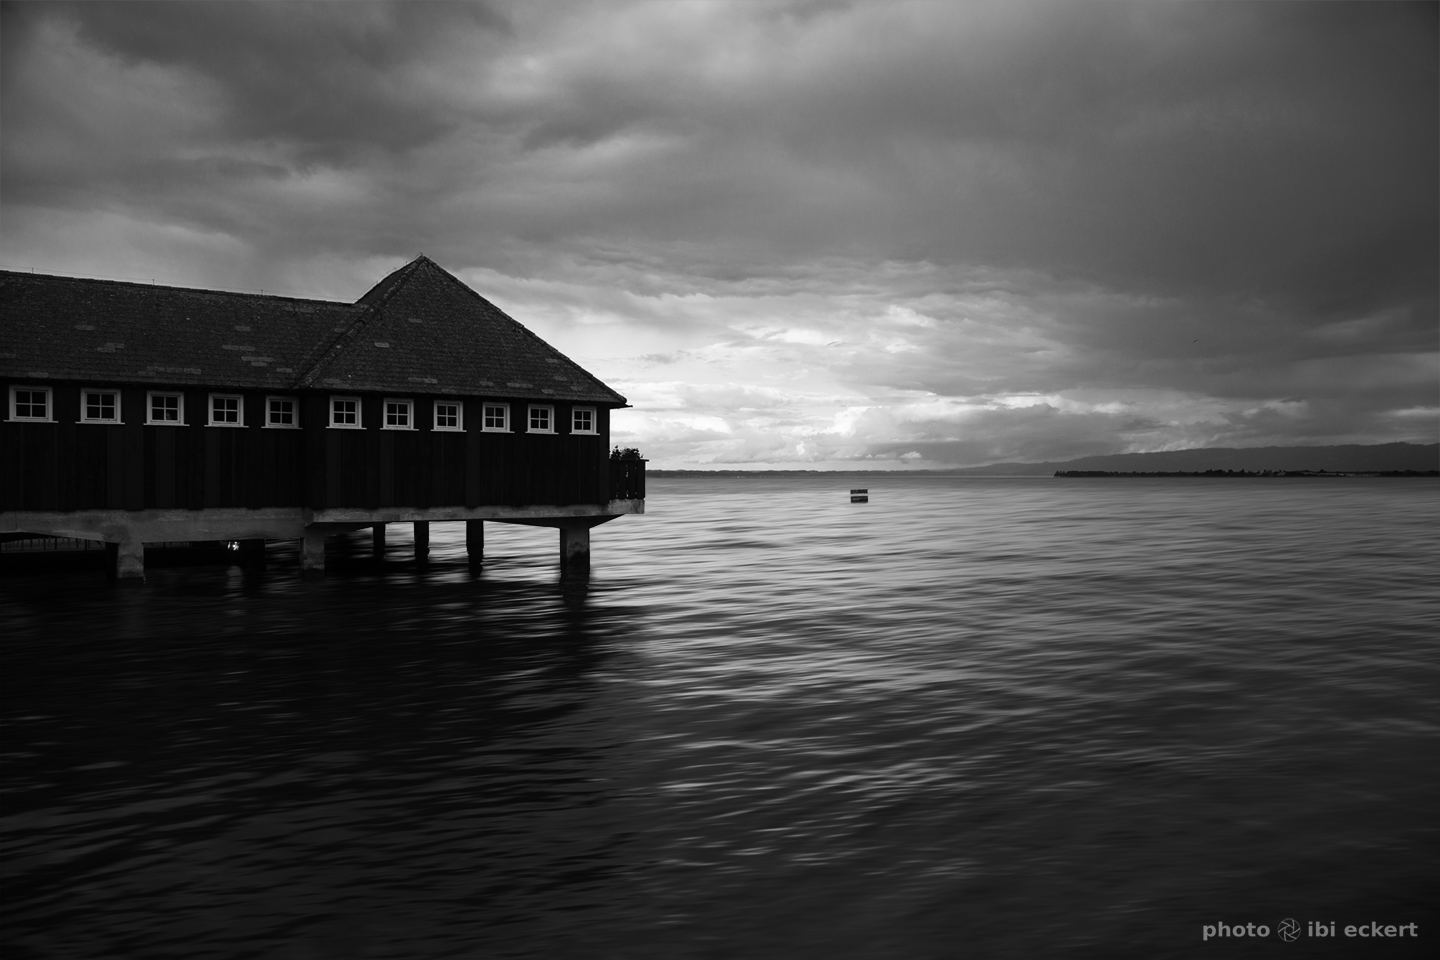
(312, 555)
(252, 554)
(422, 540)
(129, 561)
(377, 541)
(575, 546)
(475, 541)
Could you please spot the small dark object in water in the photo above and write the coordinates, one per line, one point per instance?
(861, 495)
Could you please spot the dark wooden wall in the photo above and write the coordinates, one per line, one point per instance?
(75, 466)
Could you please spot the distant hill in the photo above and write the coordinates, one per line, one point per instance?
(1339, 459)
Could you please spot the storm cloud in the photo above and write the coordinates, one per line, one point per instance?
(795, 233)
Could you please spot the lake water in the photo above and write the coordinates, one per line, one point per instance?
(971, 718)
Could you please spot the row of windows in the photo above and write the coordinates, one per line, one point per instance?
(228, 410)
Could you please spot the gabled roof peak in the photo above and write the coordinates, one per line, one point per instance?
(386, 288)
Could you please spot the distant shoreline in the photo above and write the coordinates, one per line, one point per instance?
(885, 474)
(1247, 473)
(1401, 459)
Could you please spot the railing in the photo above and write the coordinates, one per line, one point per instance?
(627, 479)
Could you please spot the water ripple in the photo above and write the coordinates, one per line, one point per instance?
(1022, 718)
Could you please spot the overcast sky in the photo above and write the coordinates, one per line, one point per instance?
(795, 234)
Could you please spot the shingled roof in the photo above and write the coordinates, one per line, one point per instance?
(418, 330)
(424, 329)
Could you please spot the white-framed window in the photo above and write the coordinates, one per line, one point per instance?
(345, 413)
(449, 415)
(99, 406)
(227, 410)
(282, 412)
(542, 418)
(165, 409)
(33, 404)
(495, 418)
(399, 415)
(582, 420)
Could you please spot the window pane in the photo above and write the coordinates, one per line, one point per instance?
(225, 409)
(99, 405)
(282, 413)
(165, 408)
(31, 404)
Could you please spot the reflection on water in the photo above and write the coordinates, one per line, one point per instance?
(970, 718)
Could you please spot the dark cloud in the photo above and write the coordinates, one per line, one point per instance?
(1227, 205)
(329, 77)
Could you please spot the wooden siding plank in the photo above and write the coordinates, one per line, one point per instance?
(253, 452)
(160, 467)
(217, 465)
(13, 455)
(68, 466)
(41, 444)
(190, 451)
(115, 467)
(90, 465)
(474, 481)
(313, 421)
(386, 446)
(137, 460)
(365, 455)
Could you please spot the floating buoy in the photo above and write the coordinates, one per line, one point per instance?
(860, 496)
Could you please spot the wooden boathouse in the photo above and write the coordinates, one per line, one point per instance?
(138, 413)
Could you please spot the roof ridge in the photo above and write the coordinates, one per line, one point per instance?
(332, 351)
(396, 279)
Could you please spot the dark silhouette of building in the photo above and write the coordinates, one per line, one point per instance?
(139, 413)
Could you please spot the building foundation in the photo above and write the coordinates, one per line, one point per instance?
(312, 554)
(475, 541)
(575, 546)
(125, 532)
(129, 566)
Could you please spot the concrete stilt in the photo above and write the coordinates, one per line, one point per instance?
(422, 540)
(575, 546)
(377, 541)
(475, 541)
(129, 561)
(312, 555)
